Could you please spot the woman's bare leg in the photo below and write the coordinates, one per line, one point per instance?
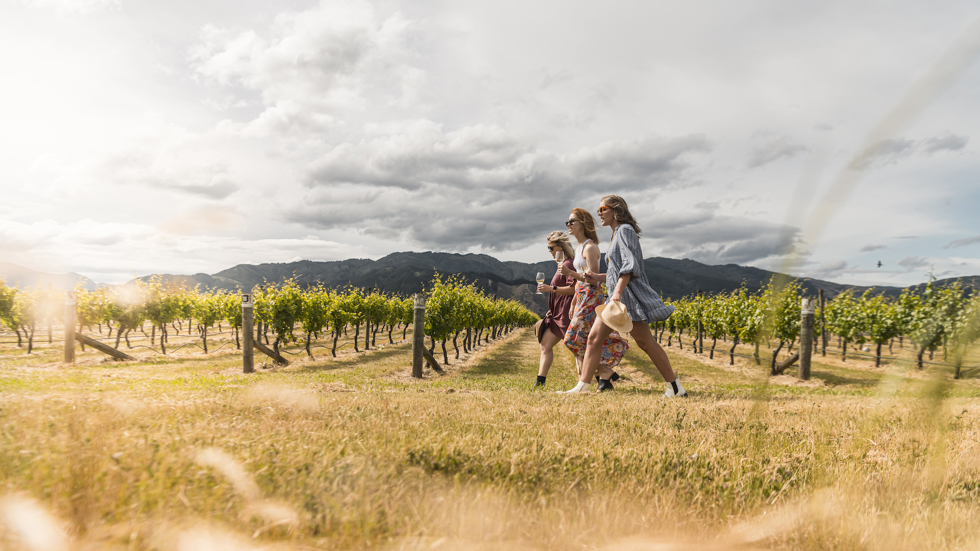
(548, 342)
(644, 339)
(603, 372)
(593, 350)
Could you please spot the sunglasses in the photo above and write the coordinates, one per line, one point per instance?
(572, 221)
(601, 210)
(552, 249)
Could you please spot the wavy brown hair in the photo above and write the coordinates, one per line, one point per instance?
(560, 238)
(588, 223)
(623, 216)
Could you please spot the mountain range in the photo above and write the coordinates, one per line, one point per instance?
(406, 273)
(25, 278)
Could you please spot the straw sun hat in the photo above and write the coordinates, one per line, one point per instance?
(614, 315)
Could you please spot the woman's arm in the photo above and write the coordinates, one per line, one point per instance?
(632, 254)
(591, 254)
(545, 288)
(624, 280)
(595, 278)
(592, 274)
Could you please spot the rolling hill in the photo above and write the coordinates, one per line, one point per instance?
(406, 273)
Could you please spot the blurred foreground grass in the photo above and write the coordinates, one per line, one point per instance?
(351, 453)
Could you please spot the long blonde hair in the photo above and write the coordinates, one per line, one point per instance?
(560, 238)
(588, 223)
(623, 216)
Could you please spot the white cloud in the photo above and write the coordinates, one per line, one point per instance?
(385, 126)
(914, 262)
(116, 252)
(963, 242)
(891, 151)
(774, 150)
(312, 67)
(948, 142)
(831, 269)
(65, 7)
(163, 156)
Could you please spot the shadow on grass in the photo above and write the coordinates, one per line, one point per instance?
(505, 360)
(832, 378)
(352, 360)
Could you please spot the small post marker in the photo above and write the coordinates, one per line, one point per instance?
(248, 357)
(71, 301)
(418, 335)
(823, 324)
(808, 310)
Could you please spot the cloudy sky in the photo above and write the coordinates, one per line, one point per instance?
(190, 136)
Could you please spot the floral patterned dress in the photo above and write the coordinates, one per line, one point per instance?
(577, 337)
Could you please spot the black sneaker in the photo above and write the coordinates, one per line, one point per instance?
(540, 381)
(604, 385)
(614, 377)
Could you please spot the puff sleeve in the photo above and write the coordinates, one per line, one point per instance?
(629, 249)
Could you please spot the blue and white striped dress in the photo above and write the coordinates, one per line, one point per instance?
(624, 256)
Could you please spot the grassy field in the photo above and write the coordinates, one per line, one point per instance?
(351, 453)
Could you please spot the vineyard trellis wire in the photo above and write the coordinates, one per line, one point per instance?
(292, 314)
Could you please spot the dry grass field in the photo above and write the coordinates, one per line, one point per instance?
(187, 453)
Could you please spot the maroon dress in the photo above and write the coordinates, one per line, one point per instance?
(557, 317)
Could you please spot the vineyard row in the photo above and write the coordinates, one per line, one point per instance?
(287, 312)
(938, 317)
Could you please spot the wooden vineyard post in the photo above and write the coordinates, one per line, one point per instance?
(806, 337)
(70, 306)
(248, 356)
(418, 335)
(105, 349)
(699, 339)
(823, 325)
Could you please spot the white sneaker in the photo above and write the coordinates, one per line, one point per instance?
(580, 388)
(670, 389)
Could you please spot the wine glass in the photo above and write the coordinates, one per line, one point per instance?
(560, 258)
(540, 279)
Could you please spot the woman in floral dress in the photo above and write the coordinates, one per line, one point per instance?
(581, 225)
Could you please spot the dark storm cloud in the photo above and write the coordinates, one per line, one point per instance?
(466, 158)
(479, 185)
(718, 239)
(636, 164)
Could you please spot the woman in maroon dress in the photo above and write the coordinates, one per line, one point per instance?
(560, 293)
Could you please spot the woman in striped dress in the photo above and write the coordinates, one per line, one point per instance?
(581, 226)
(627, 282)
